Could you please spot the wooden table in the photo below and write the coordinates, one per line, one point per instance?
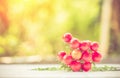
(24, 71)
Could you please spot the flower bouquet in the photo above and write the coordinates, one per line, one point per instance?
(82, 56)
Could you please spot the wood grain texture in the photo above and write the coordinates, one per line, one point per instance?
(24, 71)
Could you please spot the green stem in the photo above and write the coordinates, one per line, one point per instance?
(66, 68)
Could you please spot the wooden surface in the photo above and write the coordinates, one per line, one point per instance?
(24, 71)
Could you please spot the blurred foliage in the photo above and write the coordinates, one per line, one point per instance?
(35, 27)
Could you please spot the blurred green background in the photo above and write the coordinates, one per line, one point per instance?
(34, 28)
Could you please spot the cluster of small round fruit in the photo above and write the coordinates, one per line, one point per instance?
(82, 55)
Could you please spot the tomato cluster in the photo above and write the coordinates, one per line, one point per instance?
(83, 53)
